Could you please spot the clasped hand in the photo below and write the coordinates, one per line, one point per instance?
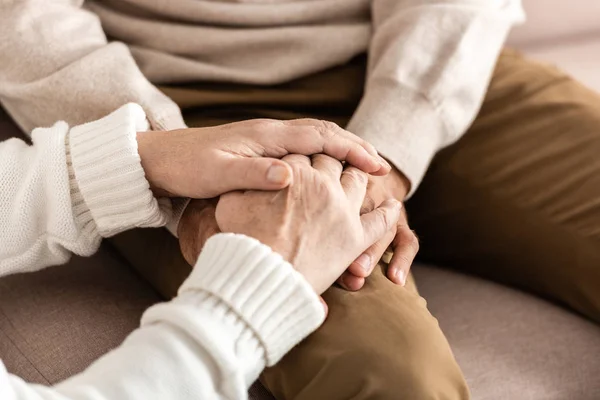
(307, 209)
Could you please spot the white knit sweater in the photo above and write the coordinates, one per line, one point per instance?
(73, 187)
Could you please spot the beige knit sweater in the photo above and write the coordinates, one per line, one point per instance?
(429, 60)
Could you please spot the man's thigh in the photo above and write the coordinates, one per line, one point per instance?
(378, 343)
(518, 198)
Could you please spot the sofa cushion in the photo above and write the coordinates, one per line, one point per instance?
(510, 344)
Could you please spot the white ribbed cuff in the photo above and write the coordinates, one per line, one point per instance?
(263, 289)
(107, 174)
(403, 126)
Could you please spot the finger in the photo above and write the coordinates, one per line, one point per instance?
(329, 125)
(351, 282)
(327, 166)
(311, 136)
(298, 160)
(379, 221)
(363, 266)
(406, 247)
(354, 182)
(259, 173)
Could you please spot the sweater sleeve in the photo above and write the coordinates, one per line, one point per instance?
(242, 308)
(71, 188)
(430, 63)
(56, 64)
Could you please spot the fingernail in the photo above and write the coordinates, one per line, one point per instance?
(384, 163)
(401, 276)
(277, 174)
(364, 261)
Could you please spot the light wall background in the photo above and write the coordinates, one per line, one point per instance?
(565, 33)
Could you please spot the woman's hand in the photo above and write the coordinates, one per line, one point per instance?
(315, 223)
(206, 162)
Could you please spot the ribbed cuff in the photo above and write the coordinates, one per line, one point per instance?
(263, 289)
(403, 126)
(107, 174)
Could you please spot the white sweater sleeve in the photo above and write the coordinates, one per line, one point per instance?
(242, 308)
(430, 63)
(56, 63)
(71, 188)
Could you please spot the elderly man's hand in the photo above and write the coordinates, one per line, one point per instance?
(403, 241)
(207, 162)
(196, 226)
(315, 223)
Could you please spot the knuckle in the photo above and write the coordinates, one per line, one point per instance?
(385, 218)
(327, 129)
(298, 172)
(410, 239)
(356, 177)
(368, 205)
(261, 122)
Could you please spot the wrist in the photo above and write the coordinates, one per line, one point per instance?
(399, 184)
(148, 150)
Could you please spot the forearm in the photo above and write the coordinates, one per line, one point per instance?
(56, 64)
(70, 189)
(242, 308)
(429, 67)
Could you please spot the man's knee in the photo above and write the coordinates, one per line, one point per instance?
(421, 373)
(380, 343)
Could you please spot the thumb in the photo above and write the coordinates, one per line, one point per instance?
(259, 173)
(379, 221)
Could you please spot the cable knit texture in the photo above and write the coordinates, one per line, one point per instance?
(71, 188)
(114, 188)
(261, 287)
(242, 308)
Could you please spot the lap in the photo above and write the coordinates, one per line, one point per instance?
(380, 342)
(518, 198)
